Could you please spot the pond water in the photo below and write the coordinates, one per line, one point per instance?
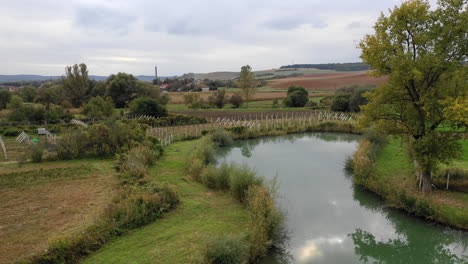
(330, 220)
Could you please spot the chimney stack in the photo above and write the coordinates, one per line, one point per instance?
(156, 72)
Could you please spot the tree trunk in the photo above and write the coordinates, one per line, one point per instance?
(426, 181)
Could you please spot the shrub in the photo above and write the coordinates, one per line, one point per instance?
(209, 176)
(194, 168)
(241, 177)
(218, 98)
(341, 102)
(147, 106)
(275, 103)
(134, 164)
(194, 101)
(297, 96)
(348, 165)
(223, 179)
(36, 152)
(236, 100)
(363, 165)
(227, 249)
(239, 130)
(99, 107)
(11, 132)
(203, 150)
(72, 144)
(221, 137)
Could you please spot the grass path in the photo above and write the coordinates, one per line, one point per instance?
(181, 235)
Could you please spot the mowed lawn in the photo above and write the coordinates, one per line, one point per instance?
(43, 201)
(180, 236)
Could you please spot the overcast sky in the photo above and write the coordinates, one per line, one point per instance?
(110, 36)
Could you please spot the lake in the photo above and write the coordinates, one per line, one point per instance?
(331, 220)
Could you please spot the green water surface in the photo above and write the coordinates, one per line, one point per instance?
(330, 220)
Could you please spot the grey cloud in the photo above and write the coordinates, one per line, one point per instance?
(289, 23)
(100, 18)
(354, 24)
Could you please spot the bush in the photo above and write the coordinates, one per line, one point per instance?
(236, 101)
(297, 96)
(239, 130)
(209, 176)
(341, 103)
(221, 137)
(36, 152)
(223, 179)
(227, 249)
(218, 98)
(72, 144)
(147, 106)
(194, 101)
(241, 177)
(312, 105)
(11, 132)
(99, 107)
(134, 163)
(275, 103)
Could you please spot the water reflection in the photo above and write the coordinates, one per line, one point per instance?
(417, 241)
(333, 221)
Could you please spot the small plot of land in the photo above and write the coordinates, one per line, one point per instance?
(14, 150)
(40, 202)
(395, 167)
(327, 81)
(180, 236)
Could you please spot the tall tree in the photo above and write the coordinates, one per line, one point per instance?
(423, 52)
(28, 93)
(122, 88)
(247, 83)
(5, 97)
(76, 83)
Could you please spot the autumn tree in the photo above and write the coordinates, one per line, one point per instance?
(422, 50)
(247, 83)
(76, 83)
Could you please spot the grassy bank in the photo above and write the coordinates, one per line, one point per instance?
(180, 236)
(388, 171)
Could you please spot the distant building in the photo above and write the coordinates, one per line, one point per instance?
(13, 89)
(203, 87)
(164, 87)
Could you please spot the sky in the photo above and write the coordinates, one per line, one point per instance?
(110, 36)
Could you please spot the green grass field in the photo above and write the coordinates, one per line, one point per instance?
(181, 235)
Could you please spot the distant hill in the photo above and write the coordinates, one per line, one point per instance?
(212, 75)
(353, 66)
(31, 77)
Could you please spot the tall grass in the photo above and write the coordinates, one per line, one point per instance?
(228, 249)
(266, 221)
